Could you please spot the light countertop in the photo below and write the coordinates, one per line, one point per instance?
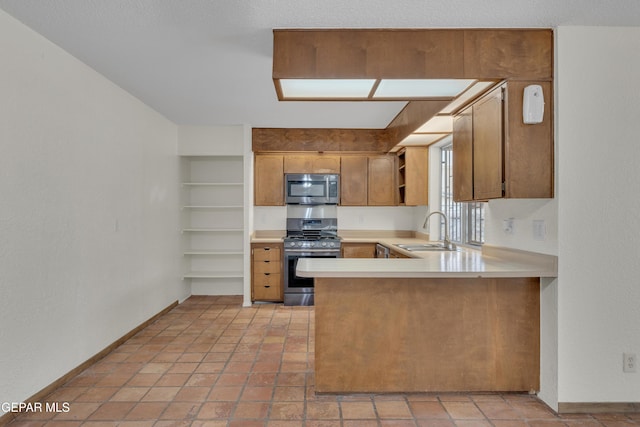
(464, 263)
(491, 261)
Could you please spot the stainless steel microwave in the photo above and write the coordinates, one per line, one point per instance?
(312, 189)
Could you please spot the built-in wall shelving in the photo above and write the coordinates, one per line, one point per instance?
(213, 227)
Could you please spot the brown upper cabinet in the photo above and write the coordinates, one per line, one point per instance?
(381, 181)
(311, 163)
(354, 176)
(496, 155)
(367, 180)
(268, 188)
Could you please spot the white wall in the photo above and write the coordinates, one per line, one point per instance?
(523, 213)
(89, 224)
(599, 212)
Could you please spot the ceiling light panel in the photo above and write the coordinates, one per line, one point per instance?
(326, 88)
(437, 124)
(421, 88)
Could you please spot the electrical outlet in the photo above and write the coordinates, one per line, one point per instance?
(629, 362)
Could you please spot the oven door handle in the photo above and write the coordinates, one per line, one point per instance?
(312, 251)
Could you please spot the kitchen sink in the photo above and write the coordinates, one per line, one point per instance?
(435, 246)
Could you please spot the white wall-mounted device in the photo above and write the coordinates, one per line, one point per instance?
(532, 105)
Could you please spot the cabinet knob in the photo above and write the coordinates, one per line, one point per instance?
(267, 286)
(266, 274)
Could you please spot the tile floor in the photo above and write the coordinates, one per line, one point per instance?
(212, 363)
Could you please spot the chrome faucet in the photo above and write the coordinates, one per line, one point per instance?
(448, 244)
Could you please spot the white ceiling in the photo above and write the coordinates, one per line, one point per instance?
(208, 62)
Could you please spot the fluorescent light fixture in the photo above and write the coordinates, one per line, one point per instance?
(474, 90)
(422, 139)
(421, 88)
(437, 124)
(326, 88)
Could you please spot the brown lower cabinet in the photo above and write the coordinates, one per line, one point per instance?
(358, 250)
(266, 272)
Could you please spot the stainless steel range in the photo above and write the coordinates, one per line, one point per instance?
(312, 232)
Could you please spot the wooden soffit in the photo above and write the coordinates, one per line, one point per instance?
(522, 54)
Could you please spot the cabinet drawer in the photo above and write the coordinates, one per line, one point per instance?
(267, 286)
(267, 253)
(267, 267)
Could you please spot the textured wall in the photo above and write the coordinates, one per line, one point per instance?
(599, 220)
(89, 224)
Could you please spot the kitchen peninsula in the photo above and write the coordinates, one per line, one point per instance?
(441, 321)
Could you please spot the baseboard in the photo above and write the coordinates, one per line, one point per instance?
(597, 407)
(8, 417)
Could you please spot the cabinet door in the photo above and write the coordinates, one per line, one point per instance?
(463, 156)
(311, 163)
(269, 180)
(382, 188)
(326, 164)
(488, 147)
(358, 250)
(416, 176)
(353, 181)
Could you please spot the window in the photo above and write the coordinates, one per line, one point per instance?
(466, 220)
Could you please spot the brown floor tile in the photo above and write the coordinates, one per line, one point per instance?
(472, 423)
(130, 394)
(181, 411)
(360, 423)
(533, 410)
(216, 410)
(392, 409)
(358, 410)
(246, 423)
(202, 380)
(94, 394)
(112, 411)
(287, 411)
(509, 423)
(262, 379)
(161, 394)
(251, 410)
(192, 394)
(289, 394)
(146, 411)
(323, 411)
(497, 410)
(141, 380)
(322, 423)
(463, 410)
(427, 409)
(253, 393)
(172, 380)
(230, 393)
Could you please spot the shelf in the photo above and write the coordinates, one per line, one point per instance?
(212, 230)
(213, 274)
(212, 209)
(213, 253)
